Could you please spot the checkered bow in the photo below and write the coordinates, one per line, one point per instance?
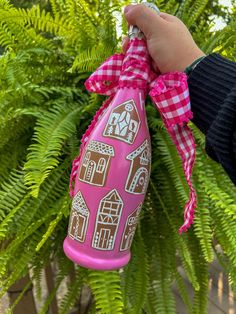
(170, 94)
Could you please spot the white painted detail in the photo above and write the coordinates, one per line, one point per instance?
(123, 122)
(79, 218)
(95, 163)
(139, 172)
(107, 221)
(129, 229)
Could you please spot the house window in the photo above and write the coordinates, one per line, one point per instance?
(131, 221)
(101, 165)
(144, 158)
(86, 159)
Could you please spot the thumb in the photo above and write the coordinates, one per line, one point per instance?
(145, 18)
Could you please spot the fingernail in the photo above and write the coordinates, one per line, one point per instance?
(127, 9)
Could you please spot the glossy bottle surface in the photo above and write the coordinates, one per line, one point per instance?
(110, 185)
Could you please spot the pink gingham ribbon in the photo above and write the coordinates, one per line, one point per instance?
(170, 94)
(118, 71)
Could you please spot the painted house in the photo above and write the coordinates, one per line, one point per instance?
(129, 230)
(79, 218)
(137, 181)
(96, 162)
(107, 221)
(123, 123)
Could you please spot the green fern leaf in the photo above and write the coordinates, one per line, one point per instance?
(136, 277)
(106, 289)
(52, 130)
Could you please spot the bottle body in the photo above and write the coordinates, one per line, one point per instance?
(110, 185)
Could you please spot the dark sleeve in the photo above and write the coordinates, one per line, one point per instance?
(212, 87)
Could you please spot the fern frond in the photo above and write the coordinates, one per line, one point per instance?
(183, 290)
(73, 292)
(20, 296)
(183, 9)
(55, 6)
(171, 7)
(52, 130)
(64, 270)
(195, 11)
(35, 213)
(37, 275)
(161, 254)
(200, 300)
(202, 221)
(11, 193)
(106, 289)
(136, 277)
(7, 38)
(37, 18)
(203, 231)
(22, 259)
(180, 242)
(222, 40)
(172, 162)
(63, 209)
(5, 4)
(90, 60)
(10, 158)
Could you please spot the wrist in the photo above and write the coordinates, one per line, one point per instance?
(192, 61)
(192, 66)
(184, 62)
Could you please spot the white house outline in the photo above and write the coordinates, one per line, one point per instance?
(118, 137)
(79, 208)
(134, 181)
(131, 157)
(101, 148)
(137, 210)
(98, 221)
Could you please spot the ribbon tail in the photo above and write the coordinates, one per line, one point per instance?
(171, 96)
(184, 141)
(84, 140)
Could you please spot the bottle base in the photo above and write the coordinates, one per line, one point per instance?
(85, 260)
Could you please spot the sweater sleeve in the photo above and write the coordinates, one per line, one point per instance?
(212, 86)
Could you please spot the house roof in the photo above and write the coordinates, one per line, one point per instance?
(113, 196)
(79, 204)
(136, 211)
(139, 150)
(129, 106)
(101, 148)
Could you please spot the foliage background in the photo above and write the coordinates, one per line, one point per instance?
(48, 49)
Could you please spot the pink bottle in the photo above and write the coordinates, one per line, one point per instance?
(114, 168)
(110, 185)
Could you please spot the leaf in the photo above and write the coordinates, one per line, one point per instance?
(51, 132)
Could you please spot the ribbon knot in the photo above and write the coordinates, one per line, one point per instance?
(170, 94)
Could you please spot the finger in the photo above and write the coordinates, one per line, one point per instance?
(167, 17)
(145, 18)
(125, 43)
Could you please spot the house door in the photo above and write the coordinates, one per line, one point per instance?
(90, 171)
(140, 180)
(81, 227)
(73, 225)
(103, 240)
(129, 241)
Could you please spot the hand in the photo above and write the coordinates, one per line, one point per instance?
(169, 42)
